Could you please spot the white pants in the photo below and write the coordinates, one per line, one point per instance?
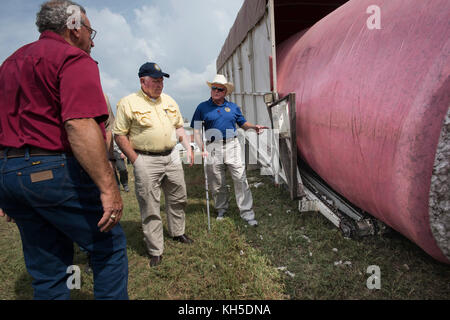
(228, 155)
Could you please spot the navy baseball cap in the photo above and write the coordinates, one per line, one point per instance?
(151, 69)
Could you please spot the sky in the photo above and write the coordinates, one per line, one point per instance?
(184, 37)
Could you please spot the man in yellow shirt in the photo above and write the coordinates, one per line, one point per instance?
(148, 126)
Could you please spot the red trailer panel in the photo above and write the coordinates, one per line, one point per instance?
(371, 104)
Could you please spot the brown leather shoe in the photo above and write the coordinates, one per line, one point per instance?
(155, 260)
(184, 239)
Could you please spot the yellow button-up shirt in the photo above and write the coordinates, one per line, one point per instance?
(149, 123)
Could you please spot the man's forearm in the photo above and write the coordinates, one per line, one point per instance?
(109, 144)
(89, 147)
(198, 138)
(248, 125)
(181, 135)
(258, 128)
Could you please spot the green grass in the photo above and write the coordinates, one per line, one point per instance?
(288, 256)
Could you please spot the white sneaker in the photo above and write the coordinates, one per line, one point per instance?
(252, 222)
(220, 215)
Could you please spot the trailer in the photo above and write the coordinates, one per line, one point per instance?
(357, 94)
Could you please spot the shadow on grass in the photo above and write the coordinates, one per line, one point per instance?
(24, 290)
(135, 235)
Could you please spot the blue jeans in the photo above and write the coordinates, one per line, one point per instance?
(55, 203)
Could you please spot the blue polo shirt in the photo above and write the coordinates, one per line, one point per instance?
(222, 118)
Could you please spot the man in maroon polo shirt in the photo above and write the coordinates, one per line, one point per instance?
(55, 179)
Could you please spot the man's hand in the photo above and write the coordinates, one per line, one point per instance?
(259, 129)
(190, 157)
(124, 144)
(112, 210)
(3, 214)
(133, 158)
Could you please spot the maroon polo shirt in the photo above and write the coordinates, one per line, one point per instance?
(44, 84)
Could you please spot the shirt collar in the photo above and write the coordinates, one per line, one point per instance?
(225, 102)
(47, 34)
(146, 97)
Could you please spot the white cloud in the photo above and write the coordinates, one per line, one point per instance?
(14, 34)
(119, 52)
(183, 37)
(190, 84)
(113, 88)
(190, 35)
(222, 21)
(116, 42)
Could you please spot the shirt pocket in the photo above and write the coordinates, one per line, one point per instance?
(143, 115)
(172, 114)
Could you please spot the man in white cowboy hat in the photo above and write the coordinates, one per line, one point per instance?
(219, 117)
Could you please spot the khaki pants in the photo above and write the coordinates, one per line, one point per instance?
(151, 174)
(228, 155)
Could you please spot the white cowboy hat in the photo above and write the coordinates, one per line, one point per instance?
(220, 79)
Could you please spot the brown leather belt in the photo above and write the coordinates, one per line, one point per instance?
(20, 152)
(148, 153)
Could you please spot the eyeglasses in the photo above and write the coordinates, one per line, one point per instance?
(218, 89)
(91, 31)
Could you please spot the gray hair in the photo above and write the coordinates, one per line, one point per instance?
(53, 15)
